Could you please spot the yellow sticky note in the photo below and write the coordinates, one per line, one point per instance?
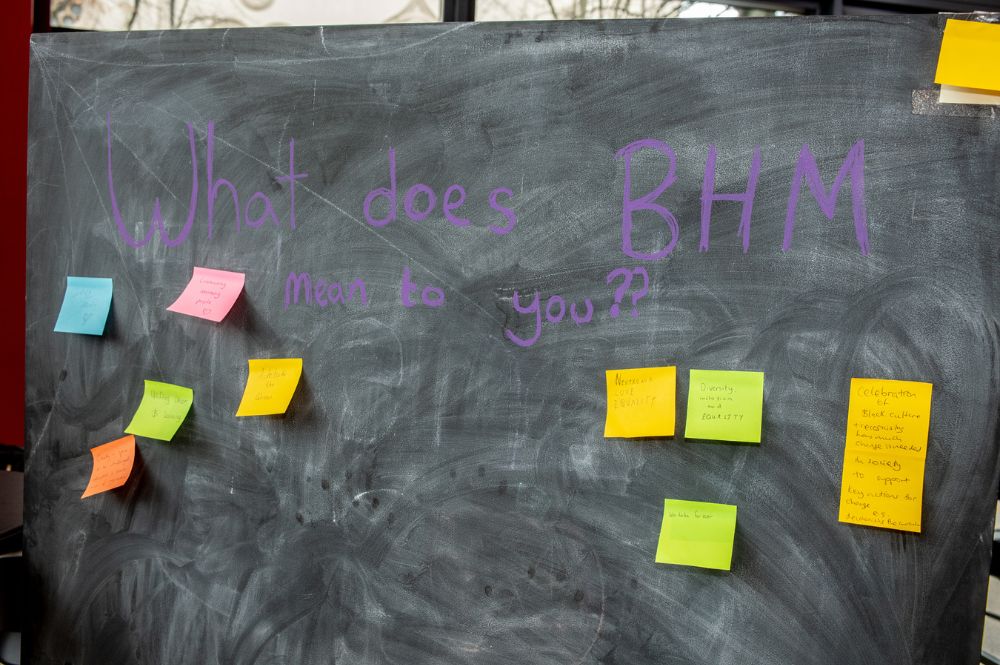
(695, 533)
(641, 402)
(970, 51)
(725, 405)
(270, 386)
(883, 481)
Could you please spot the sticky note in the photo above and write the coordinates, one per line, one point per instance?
(970, 51)
(951, 94)
(112, 465)
(695, 533)
(210, 294)
(270, 386)
(641, 402)
(85, 305)
(884, 453)
(725, 405)
(163, 408)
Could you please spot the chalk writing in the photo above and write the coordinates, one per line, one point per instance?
(431, 296)
(243, 214)
(627, 275)
(420, 201)
(555, 311)
(806, 169)
(321, 292)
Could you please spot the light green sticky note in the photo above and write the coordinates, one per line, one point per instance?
(695, 533)
(163, 408)
(724, 405)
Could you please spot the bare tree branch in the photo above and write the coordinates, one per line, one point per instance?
(663, 4)
(135, 13)
(184, 7)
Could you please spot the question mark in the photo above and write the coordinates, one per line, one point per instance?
(627, 274)
(640, 293)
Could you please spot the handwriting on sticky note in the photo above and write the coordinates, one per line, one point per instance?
(884, 453)
(695, 533)
(270, 386)
(85, 305)
(970, 51)
(725, 405)
(163, 408)
(112, 465)
(210, 294)
(641, 402)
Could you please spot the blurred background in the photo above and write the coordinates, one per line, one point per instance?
(168, 14)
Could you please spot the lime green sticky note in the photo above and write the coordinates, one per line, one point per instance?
(163, 408)
(724, 405)
(695, 533)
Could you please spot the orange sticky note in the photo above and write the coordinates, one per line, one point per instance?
(887, 426)
(641, 402)
(210, 294)
(969, 57)
(112, 465)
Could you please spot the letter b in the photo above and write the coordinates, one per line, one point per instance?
(647, 201)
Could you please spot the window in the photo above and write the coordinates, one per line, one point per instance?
(166, 14)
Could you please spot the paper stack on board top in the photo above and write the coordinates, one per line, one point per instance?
(85, 305)
(210, 294)
(884, 453)
(270, 386)
(725, 406)
(641, 402)
(967, 67)
(163, 408)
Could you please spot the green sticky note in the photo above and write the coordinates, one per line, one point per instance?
(724, 405)
(695, 533)
(163, 408)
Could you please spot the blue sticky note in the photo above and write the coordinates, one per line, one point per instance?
(85, 306)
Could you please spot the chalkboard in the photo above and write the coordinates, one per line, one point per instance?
(440, 490)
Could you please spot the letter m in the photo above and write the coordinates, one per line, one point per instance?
(853, 168)
(298, 281)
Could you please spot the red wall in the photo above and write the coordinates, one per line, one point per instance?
(15, 28)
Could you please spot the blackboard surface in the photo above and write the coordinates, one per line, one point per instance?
(438, 493)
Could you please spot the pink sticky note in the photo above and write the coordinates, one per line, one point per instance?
(210, 294)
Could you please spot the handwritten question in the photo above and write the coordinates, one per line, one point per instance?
(381, 205)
